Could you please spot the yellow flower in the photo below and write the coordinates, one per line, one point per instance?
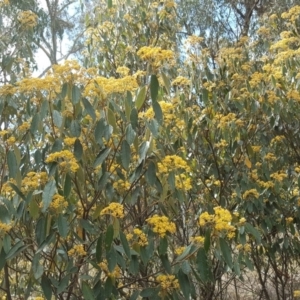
(114, 209)
(27, 18)
(251, 193)
(77, 250)
(167, 283)
(65, 159)
(297, 293)
(116, 273)
(161, 225)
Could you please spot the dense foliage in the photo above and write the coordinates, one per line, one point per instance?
(151, 171)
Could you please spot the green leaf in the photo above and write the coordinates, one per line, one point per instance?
(99, 131)
(75, 128)
(134, 118)
(149, 292)
(101, 156)
(111, 258)
(16, 249)
(184, 284)
(130, 134)
(109, 3)
(37, 268)
(158, 112)
(226, 252)
(48, 193)
(202, 265)
(150, 175)
(46, 287)
(140, 98)
(67, 185)
(63, 284)
(87, 291)
(99, 248)
(111, 119)
(154, 85)
(135, 295)
(163, 245)
(63, 226)
(125, 244)
(2, 259)
(89, 108)
(35, 123)
(250, 229)
(76, 94)
(125, 154)
(109, 237)
(165, 262)
(134, 265)
(153, 126)
(12, 164)
(57, 118)
(78, 149)
(166, 82)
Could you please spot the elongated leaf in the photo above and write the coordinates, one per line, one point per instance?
(48, 193)
(130, 134)
(166, 82)
(67, 185)
(125, 154)
(109, 237)
(87, 291)
(101, 157)
(250, 229)
(63, 226)
(202, 265)
(75, 128)
(111, 258)
(226, 252)
(12, 164)
(134, 118)
(184, 284)
(154, 85)
(78, 149)
(151, 173)
(99, 248)
(125, 244)
(57, 118)
(76, 94)
(111, 119)
(99, 131)
(158, 112)
(140, 98)
(46, 287)
(37, 268)
(89, 108)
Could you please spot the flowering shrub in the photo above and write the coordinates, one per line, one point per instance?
(130, 177)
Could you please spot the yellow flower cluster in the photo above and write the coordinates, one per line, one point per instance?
(141, 237)
(221, 221)
(244, 248)
(279, 176)
(179, 250)
(251, 193)
(114, 209)
(24, 126)
(122, 186)
(270, 157)
(124, 71)
(69, 141)
(292, 14)
(103, 87)
(199, 240)
(116, 273)
(27, 18)
(155, 55)
(58, 203)
(181, 81)
(167, 283)
(65, 159)
(161, 225)
(33, 181)
(182, 182)
(172, 163)
(77, 250)
(224, 120)
(297, 293)
(4, 228)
